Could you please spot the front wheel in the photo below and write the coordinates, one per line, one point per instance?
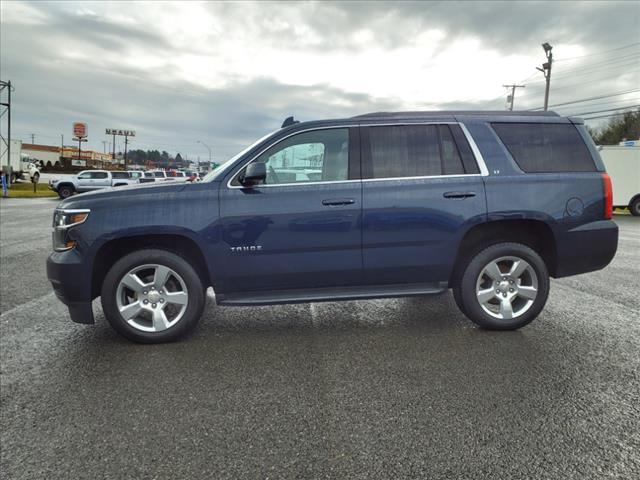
(152, 296)
(504, 287)
(65, 192)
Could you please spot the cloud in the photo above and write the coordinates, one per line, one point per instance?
(227, 73)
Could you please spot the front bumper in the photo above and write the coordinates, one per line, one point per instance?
(71, 282)
(587, 248)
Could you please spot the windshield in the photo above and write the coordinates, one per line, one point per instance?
(212, 175)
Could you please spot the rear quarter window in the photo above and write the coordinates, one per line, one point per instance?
(545, 147)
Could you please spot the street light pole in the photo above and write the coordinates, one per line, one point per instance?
(208, 148)
(546, 71)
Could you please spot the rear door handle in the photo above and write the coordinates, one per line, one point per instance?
(333, 202)
(458, 194)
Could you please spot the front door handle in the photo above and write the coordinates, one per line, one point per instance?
(459, 195)
(333, 202)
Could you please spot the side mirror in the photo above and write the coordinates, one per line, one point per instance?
(255, 173)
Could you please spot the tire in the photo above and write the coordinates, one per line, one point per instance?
(65, 191)
(147, 303)
(36, 178)
(512, 298)
(634, 207)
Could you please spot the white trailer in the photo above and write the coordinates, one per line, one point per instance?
(17, 164)
(623, 166)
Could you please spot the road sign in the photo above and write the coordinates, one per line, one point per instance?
(117, 131)
(80, 129)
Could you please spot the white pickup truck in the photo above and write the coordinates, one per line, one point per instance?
(89, 180)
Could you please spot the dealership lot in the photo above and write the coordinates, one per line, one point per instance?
(366, 389)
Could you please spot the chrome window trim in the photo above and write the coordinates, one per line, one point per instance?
(422, 177)
(472, 144)
(484, 171)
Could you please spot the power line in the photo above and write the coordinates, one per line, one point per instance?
(609, 103)
(599, 53)
(609, 68)
(607, 116)
(592, 98)
(602, 111)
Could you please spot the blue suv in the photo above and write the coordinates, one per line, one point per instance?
(489, 204)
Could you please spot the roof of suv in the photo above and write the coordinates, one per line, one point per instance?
(429, 116)
(440, 113)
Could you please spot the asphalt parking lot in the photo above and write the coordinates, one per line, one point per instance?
(368, 389)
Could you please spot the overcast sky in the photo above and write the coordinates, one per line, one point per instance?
(227, 73)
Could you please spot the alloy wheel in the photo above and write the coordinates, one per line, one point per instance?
(507, 287)
(152, 298)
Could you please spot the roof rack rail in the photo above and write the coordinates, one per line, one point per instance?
(418, 114)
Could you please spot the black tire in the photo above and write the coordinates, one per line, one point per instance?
(634, 207)
(65, 191)
(36, 178)
(194, 287)
(466, 296)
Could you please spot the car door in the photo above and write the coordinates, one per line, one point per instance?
(84, 182)
(422, 189)
(299, 228)
(100, 180)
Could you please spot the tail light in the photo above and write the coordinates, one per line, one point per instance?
(608, 196)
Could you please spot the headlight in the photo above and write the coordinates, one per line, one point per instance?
(63, 220)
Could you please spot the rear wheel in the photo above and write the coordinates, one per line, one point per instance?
(65, 192)
(634, 207)
(152, 296)
(504, 287)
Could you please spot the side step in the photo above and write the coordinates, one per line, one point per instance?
(329, 294)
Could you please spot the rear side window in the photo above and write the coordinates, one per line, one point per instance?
(120, 175)
(99, 175)
(545, 147)
(417, 151)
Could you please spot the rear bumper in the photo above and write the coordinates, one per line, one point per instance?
(586, 248)
(71, 284)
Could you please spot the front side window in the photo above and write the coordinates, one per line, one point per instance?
(84, 176)
(417, 151)
(545, 147)
(316, 156)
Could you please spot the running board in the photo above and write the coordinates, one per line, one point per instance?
(330, 294)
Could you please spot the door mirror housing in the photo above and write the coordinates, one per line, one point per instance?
(255, 173)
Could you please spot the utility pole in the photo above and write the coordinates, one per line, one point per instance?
(104, 146)
(511, 97)
(5, 142)
(126, 142)
(33, 139)
(546, 71)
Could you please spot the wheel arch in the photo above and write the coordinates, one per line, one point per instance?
(114, 249)
(66, 184)
(633, 199)
(536, 234)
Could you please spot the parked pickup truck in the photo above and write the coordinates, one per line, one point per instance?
(89, 180)
(488, 204)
